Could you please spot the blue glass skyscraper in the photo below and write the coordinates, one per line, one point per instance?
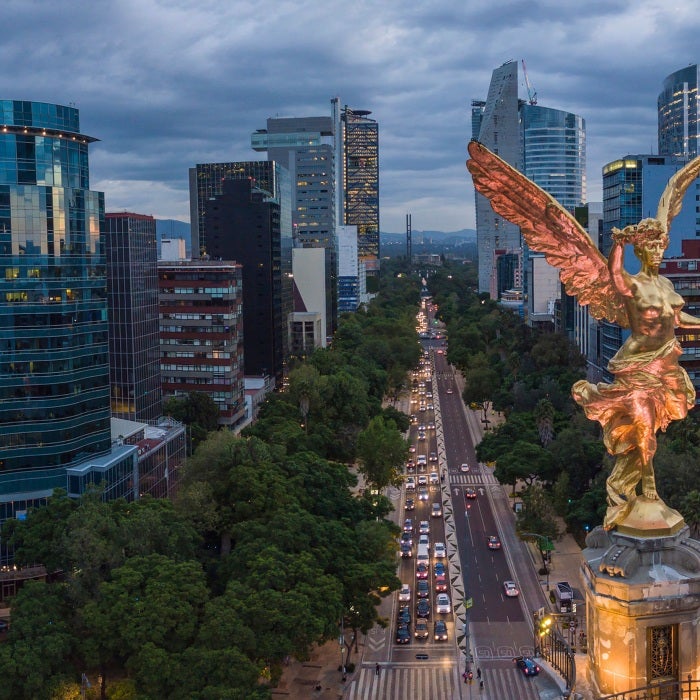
(54, 364)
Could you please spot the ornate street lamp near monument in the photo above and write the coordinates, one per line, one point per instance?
(641, 571)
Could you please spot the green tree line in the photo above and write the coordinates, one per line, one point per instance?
(267, 546)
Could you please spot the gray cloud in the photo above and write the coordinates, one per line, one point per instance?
(170, 83)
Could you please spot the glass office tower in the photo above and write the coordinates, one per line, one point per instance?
(679, 122)
(54, 365)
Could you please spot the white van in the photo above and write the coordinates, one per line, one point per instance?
(423, 556)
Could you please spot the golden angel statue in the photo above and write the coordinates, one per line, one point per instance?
(650, 388)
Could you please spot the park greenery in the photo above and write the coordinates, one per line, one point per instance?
(546, 447)
(269, 544)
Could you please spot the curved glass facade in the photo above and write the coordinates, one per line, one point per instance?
(679, 126)
(54, 365)
(554, 152)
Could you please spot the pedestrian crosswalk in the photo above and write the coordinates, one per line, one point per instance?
(482, 479)
(398, 682)
(401, 682)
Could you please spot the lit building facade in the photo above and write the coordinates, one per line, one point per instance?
(201, 333)
(351, 282)
(679, 119)
(359, 180)
(54, 361)
(132, 293)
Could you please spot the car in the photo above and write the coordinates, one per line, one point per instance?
(408, 525)
(428, 394)
(421, 428)
(434, 478)
(423, 608)
(414, 418)
(439, 550)
(422, 408)
(421, 437)
(406, 537)
(510, 589)
(464, 467)
(410, 483)
(404, 616)
(433, 457)
(421, 631)
(442, 604)
(410, 464)
(422, 480)
(421, 459)
(422, 588)
(450, 390)
(440, 634)
(440, 583)
(469, 492)
(527, 665)
(403, 635)
(436, 510)
(406, 550)
(431, 425)
(424, 527)
(423, 493)
(493, 542)
(411, 448)
(423, 539)
(405, 593)
(439, 568)
(410, 504)
(422, 571)
(430, 407)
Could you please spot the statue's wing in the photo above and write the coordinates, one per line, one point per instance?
(548, 228)
(672, 198)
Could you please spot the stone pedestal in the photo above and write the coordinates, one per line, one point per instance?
(642, 608)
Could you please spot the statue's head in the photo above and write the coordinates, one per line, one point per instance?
(649, 238)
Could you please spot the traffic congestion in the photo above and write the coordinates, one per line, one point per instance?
(424, 613)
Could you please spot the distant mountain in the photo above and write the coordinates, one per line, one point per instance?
(172, 228)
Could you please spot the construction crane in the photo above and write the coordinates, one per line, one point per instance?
(531, 94)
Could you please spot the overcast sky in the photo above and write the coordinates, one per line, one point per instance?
(166, 84)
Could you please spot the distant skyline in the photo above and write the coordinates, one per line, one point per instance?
(168, 84)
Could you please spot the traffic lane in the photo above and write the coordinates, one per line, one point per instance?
(457, 438)
(489, 568)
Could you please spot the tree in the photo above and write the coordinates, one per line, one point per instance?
(381, 450)
(198, 411)
(41, 644)
(690, 508)
(544, 415)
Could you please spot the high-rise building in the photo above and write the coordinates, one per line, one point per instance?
(305, 146)
(358, 179)
(54, 362)
(201, 333)
(132, 293)
(549, 147)
(679, 117)
(554, 157)
(498, 126)
(243, 213)
(351, 281)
